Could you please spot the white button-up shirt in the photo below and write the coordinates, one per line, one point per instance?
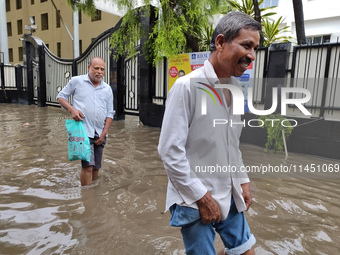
(199, 156)
(96, 103)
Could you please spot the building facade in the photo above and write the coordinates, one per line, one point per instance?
(321, 17)
(54, 22)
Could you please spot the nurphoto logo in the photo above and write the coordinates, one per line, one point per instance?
(238, 103)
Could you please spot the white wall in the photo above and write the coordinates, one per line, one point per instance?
(322, 17)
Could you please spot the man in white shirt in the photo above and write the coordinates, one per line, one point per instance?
(207, 189)
(93, 105)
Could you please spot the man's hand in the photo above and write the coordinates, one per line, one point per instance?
(209, 209)
(246, 193)
(76, 114)
(100, 140)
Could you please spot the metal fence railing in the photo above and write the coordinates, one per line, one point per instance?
(316, 68)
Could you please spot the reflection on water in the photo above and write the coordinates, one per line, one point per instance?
(44, 210)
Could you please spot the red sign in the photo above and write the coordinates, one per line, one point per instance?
(173, 71)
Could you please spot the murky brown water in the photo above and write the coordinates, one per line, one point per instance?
(43, 209)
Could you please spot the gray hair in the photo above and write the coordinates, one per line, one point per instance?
(90, 60)
(231, 24)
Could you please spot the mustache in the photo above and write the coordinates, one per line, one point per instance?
(245, 60)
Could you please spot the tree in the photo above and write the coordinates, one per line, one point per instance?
(299, 22)
(271, 32)
(178, 27)
(247, 7)
(257, 17)
(271, 29)
(257, 12)
(86, 6)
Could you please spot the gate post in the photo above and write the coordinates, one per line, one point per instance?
(276, 72)
(42, 77)
(34, 52)
(28, 56)
(149, 113)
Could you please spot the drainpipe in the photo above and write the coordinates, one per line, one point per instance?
(75, 33)
(3, 32)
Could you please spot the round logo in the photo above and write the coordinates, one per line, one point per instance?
(173, 72)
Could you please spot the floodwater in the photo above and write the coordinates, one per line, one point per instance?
(44, 210)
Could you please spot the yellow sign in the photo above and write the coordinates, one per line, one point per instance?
(183, 64)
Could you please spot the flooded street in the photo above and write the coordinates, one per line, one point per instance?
(44, 210)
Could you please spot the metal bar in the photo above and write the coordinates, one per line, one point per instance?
(165, 69)
(324, 89)
(335, 77)
(264, 74)
(306, 73)
(256, 76)
(2, 79)
(314, 87)
(138, 81)
(319, 77)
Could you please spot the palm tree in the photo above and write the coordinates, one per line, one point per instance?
(271, 29)
(247, 7)
(299, 22)
(257, 12)
(271, 32)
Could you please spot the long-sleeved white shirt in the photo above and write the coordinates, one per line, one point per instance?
(96, 103)
(191, 148)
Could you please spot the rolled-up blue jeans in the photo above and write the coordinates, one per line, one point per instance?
(199, 238)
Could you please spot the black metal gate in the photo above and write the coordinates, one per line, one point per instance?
(132, 84)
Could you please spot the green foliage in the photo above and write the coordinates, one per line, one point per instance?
(181, 26)
(271, 32)
(247, 7)
(274, 130)
(86, 6)
(204, 37)
(271, 29)
(178, 27)
(128, 35)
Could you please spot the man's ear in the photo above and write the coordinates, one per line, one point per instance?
(219, 42)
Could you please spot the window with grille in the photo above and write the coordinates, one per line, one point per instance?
(44, 21)
(10, 54)
(59, 49)
(21, 55)
(19, 4)
(98, 16)
(318, 39)
(58, 18)
(9, 29)
(8, 5)
(80, 17)
(19, 25)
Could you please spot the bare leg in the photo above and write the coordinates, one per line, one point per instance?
(95, 174)
(86, 176)
(250, 252)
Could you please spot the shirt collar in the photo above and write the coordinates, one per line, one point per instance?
(87, 78)
(212, 76)
(210, 73)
